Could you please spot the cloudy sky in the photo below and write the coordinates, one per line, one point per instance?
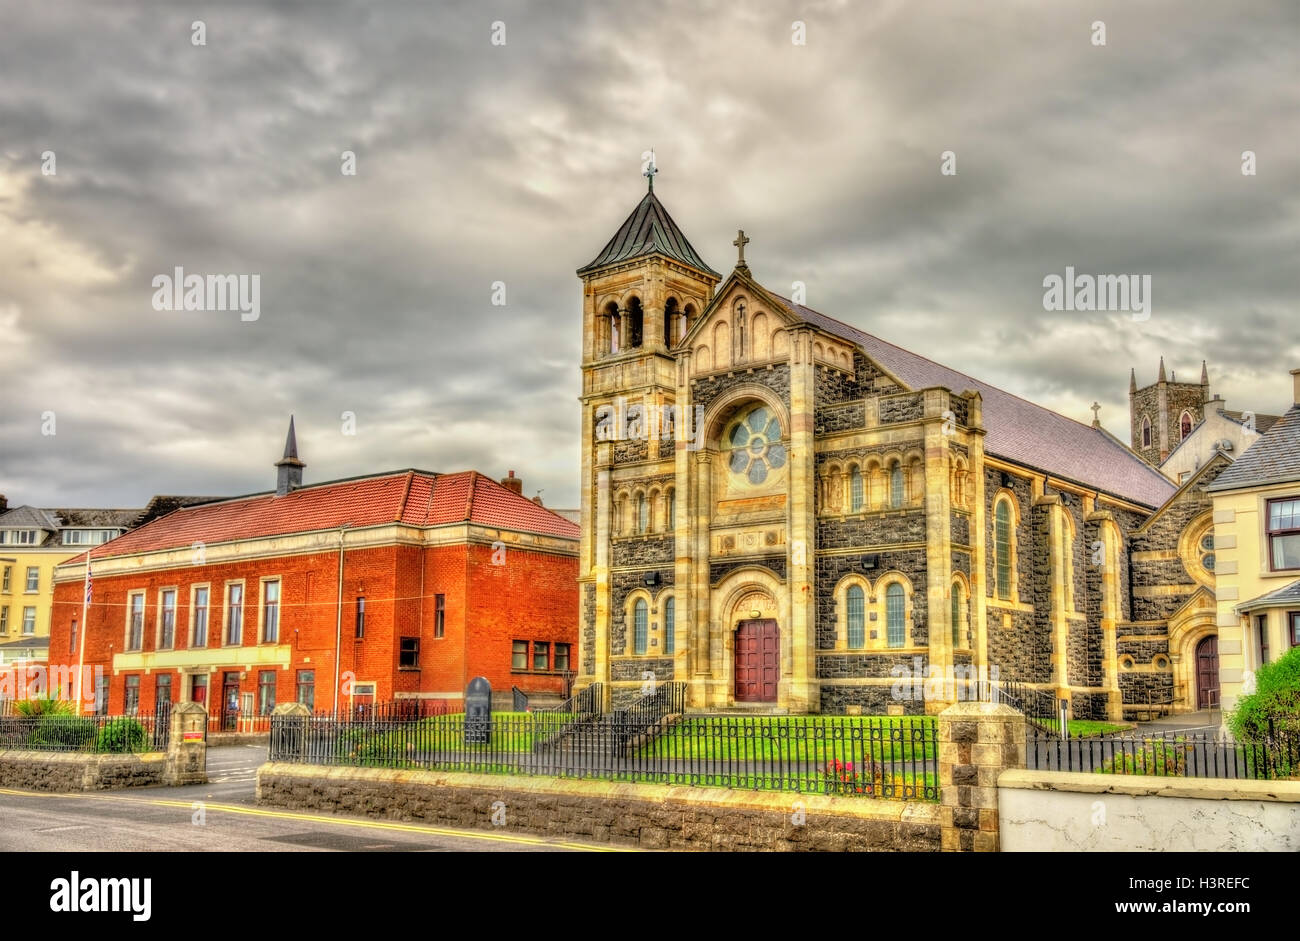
(479, 163)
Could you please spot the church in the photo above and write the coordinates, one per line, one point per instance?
(786, 513)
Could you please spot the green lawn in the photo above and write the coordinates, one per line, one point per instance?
(1084, 728)
(808, 739)
(511, 732)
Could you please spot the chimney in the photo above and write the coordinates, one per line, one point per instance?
(513, 484)
(289, 469)
(4, 503)
(1295, 386)
(1216, 404)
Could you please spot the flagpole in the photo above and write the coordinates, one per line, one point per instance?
(81, 641)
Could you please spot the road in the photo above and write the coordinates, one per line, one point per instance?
(223, 816)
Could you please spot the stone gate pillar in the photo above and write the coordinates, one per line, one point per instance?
(187, 744)
(977, 742)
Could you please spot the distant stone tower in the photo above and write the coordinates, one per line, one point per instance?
(1165, 412)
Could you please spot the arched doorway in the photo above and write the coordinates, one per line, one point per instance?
(1207, 673)
(758, 660)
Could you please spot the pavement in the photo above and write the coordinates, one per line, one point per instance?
(223, 816)
(1207, 720)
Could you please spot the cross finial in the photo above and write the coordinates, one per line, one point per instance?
(650, 168)
(740, 243)
(1095, 410)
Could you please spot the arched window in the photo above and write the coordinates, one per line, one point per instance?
(672, 509)
(856, 617)
(642, 513)
(1002, 548)
(1067, 559)
(957, 624)
(611, 312)
(855, 489)
(639, 627)
(670, 625)
(1185, 425)
(896, 485)
(895, 608)
(1146, 432)
(635, 322)
(670, 322)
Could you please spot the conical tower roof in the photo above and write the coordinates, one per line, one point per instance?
(648, 231)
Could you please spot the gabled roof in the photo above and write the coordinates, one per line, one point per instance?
(1217, 461)
(1017, 430)
(1262, 422)
(648, 231)
(1285, 596)
(413, 497)
(28, 517)
(1274, 458)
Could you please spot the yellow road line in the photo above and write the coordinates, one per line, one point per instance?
(336, 821)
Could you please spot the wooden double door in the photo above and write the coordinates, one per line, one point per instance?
(758, 661)
(1207, 673)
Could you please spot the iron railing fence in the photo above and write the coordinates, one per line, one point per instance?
(518, 699)
(92, 733)
(893, 758)
(1193, 753)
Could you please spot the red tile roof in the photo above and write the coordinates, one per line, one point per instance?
(417, 498)
(1017, 429)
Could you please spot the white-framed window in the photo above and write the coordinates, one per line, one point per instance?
(33, 579)
(167, 619)
(134, 620)
(4, 620)
(6, 579)
(234, 614)
(200, 603)
(29, 620)
(18, 537)
(87, 537)
(270, 613)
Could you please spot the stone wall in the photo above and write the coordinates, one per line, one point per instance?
(643, 815)
(64, 771)
(1070, 811)
(775, 377)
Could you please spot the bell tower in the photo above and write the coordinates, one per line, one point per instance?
(640, 296)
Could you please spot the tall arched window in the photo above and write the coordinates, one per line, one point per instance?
(635, 322)
(1067, 559)
(672, 509)
(670, 626)
(895, 609)
(611, 312)
(855, 489)
(1002, 548)
(642, 513)
(1146, 432)
(1185, 425)
(856, 617)
(957, 623)
(670, 322)
(639, 626)
(896, 485)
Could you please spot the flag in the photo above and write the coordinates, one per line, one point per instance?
(90, 584)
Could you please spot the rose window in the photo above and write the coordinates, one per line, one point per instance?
(755, 445)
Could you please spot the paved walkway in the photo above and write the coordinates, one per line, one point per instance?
(1207, 719)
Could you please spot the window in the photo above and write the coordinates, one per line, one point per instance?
(1284, 533)
(639, 626)
(896, 485)
(131, 705)
(1185, 425)
(271, 612)
(642, 513)
(1206, 550)
(753, 445)
(6, 578)
(234, 615)
(672, 509)
(87, 537)
(265, 692)
(167, 619)
(1261, 634)
(361, 618)
(18, 537)
(1293, 622)
(895, 608)
(956, 615)
(101, 695)
(519, 655)
(135, 622)
(855, 490)
(199, 690)
(541, 655)
(199, 618)
(439, 615)
(1146, 432)
(408, 657)
(307, 688)
(1002, 548)
(4, 620)
(33, 579)
(29, 620)
(162, 692)
(562, 657)
(1067, 560)
(670, 627)
(857, 633)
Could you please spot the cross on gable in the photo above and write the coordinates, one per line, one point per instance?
(740, 243)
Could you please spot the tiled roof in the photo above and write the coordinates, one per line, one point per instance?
(1273, 458)
(28, 517)
(1286, 595)
(418, 498)
(99, 519)
(647, 231)
(1018, 430)
(1262, 422)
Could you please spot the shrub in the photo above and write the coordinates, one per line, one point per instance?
(35, 708)
(1276, 698)
(1166, 759)
(121, 735)
(62, 733)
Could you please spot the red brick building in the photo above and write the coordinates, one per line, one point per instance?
(399, 585)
